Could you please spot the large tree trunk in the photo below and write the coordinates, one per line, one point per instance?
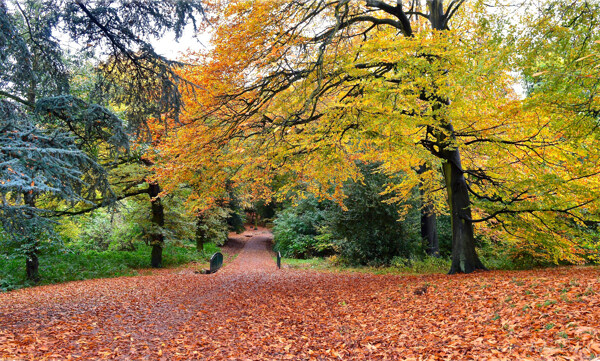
(158, 219)
(464, 256)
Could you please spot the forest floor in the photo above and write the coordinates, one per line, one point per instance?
(250, 310)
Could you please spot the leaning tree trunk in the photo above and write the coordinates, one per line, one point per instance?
(158, 220)
(464, 256)
(32, 262)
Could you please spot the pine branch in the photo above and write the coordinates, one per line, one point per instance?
(17, 99)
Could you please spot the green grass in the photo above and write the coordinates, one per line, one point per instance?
(71, 265)
(210, 249)
(318, 263)
(424, 266)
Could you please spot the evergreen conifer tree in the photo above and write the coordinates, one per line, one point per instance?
(50, 138)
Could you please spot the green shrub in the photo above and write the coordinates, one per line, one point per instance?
(498, 255)
(369, 232)
(296, 230)
(210, 249)
(97, 232)
(444, 231)
(212, 225)
(236, 215)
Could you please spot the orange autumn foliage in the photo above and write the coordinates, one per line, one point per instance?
(273, 101)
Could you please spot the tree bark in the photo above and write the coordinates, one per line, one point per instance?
(158, 219)
(464, 256)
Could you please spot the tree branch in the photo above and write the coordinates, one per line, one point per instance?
(395, 11)
(452, 8)
(106, 32)
(17, 99)
(358, 19)
(100, 205)
(532, 211)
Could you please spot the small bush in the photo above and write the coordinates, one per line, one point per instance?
(497, 255)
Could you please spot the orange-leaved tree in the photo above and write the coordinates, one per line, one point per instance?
(310, 88)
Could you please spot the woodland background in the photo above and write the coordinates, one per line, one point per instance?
(424, 136)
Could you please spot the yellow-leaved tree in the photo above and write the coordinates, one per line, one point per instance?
(310, 88)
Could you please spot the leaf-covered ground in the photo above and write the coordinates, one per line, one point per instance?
(251, 311)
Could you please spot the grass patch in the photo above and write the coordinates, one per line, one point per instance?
(210, 249)
(312, 263)
(400, 266)
(424, 265)
(72, 265)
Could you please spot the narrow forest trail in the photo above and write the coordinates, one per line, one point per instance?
(250, 310)
(255, 256)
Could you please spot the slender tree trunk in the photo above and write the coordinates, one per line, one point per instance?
(200, 233)
(429, 230)
(429, 234)
(32, 263)
(158, 219)
(464, 256)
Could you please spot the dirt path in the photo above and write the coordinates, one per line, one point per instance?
(128, 317)
(255, 256)
(250, 310)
